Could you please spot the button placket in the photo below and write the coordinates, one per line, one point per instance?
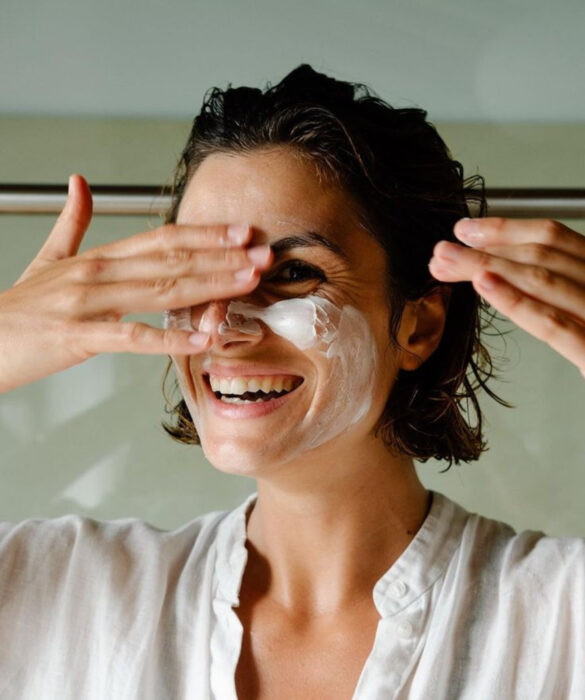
(398, 589)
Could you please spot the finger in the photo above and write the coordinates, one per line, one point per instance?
(141, 338)
(454, 263)
(540, 255)
(69, 229)
(172, 236)
(86, 301)
(499, 231)
(543, 321)
(177, 262)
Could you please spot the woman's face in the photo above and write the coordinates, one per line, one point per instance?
(324, 263)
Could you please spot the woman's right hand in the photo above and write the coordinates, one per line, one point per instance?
(66, 308)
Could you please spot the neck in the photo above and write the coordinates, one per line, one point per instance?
(322, 533)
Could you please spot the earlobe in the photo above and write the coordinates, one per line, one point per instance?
(421, 328)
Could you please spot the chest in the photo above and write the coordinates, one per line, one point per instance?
(289, 660)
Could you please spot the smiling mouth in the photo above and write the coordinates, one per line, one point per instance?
(256, 390)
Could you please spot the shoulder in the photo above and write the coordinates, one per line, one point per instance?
(513, 598)
(130, 587)
(527, 563)
(526, 548)
(76, 543)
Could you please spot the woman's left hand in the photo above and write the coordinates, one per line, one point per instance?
(533, 271)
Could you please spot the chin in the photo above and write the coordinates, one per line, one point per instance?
(231, 458)
(237, 465)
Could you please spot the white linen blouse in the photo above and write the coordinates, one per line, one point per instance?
(121, 610)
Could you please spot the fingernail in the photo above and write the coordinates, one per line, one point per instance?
(69, 185)
(437, 268)
(449, 251)
(245, 275)
(237, 233)
(198, 338)
(259, 255)
(468, 229)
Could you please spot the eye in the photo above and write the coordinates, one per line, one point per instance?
(296, 271)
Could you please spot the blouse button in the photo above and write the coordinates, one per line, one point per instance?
(404, 630)
(398, 589)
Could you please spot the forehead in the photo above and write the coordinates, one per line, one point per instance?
(273, 190)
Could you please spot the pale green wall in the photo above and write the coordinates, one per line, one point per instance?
(89, 440)
(497, 61)
(142, 151)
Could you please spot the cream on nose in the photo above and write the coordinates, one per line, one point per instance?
(214, 322)
(213, 315)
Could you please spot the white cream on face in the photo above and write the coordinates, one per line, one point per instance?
(304, 322)
(341, 337)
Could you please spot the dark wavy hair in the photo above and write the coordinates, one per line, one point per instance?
(408, 193)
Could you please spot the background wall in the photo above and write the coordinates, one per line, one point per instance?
(109, 91)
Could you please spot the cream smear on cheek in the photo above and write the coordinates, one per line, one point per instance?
(342, 337)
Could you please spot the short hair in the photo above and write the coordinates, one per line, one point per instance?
(407, 192)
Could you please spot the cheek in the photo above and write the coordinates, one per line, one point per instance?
(355, 360)
(347, 373)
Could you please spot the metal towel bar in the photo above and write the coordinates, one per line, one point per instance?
(130, 200)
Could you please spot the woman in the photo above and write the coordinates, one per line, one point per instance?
(321, 343)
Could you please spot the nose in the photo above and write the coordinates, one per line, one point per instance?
(223, 335)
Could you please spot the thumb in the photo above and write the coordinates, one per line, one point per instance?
(69, 229)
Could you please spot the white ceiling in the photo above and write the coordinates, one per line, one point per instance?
(462, 60)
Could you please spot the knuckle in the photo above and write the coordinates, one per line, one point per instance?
(484, 260)
(218, 232)
(178, 257)
(214, 279)
(235, 258)
(167, 337)
(498, 223)
(212, 236)
(516, 301)
(89, 268)
(164, 285)
(161, 234)
(537, 253)
(133, 331)
(74, 298)
(551, 231)
(219, 281)
(553, 322)
(205, 234)
(541, 276)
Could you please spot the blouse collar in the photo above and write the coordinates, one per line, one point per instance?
(417, 568)
(232, 554)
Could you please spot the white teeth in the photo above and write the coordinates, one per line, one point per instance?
(240, 385)
(254, 384)
(234, 399)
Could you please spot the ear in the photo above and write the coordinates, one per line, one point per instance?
(421, 328)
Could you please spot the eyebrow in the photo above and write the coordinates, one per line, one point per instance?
(308, 239)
